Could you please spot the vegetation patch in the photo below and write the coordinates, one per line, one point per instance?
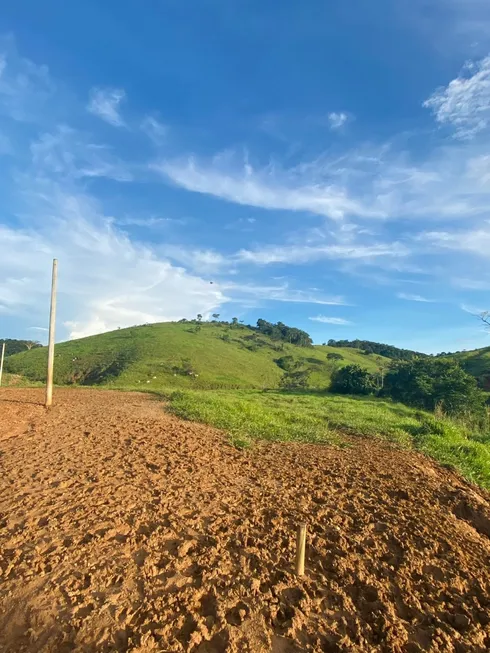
(325, 418)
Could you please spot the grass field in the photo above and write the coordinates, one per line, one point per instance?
(308, 417)
(153, 356)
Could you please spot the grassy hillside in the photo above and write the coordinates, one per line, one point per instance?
(161, 355)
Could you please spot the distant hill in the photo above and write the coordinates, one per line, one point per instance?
(388, 351)
(184, 354)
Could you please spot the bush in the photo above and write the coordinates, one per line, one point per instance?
(286, 363)
(353, 380)
(429, 383)
(295, 379)
(333, 356)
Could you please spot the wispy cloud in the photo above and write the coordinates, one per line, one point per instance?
(474, 241)
(280, 293)
(152, 222)
(465, 102)
(414, 298)
(268, 188)
(338, 321)
(472, 284)
(473, 310)
(202, 260)
(155, 129)
(67, 153)
(25, 87)
(337, 120)
(310, 253)
(104, 103)
(105, 279)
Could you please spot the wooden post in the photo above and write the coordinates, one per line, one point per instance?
(1, 362)
(300, 550)
(52, 329)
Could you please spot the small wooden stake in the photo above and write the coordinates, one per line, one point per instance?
(300, 550)
(52, 327)
(1, 362)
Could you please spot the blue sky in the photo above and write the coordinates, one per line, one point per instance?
(322, 164)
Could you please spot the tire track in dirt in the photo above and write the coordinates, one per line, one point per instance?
(123, 528)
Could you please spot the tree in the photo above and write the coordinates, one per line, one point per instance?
(16, 346)
(199, 317)
(215, 316)
(234, 321)
(353, 380)
(431, 382)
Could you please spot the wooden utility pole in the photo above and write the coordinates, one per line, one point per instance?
(52, 329)
(1, 362)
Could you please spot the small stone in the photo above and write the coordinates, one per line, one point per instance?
(461, 621)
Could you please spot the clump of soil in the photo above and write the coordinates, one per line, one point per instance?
(123, 528)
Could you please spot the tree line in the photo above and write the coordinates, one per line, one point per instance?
(425, 383)
(369, 347)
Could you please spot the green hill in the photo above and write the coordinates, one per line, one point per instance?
(176, 354)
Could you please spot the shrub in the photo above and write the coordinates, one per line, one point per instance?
(295, 379)
(286, 363)
(353, 380)
(333, 356)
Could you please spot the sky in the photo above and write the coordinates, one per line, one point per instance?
(325, 164)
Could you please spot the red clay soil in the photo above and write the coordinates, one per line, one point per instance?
(123, 528)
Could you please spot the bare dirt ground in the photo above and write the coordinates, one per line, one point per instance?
(125, 529)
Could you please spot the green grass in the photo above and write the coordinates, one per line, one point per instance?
(144, 356)
(323, 418)
(11, 380)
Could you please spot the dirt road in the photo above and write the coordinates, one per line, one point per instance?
(125, 529)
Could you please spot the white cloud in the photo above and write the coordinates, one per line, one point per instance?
(473, 241)
(104, 103)
(152, 222)
(465, 102)
(472, 284)
(25, 87)
(338, 321)
(337, 120)
(269, 188)
(155, 129)
(67, 153)
(105, 280)
(414, 298)
(310, 253)
(281, 293)
(453, 181)
(202, 260)
(473, 310)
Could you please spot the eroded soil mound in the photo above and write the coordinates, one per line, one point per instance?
(125, 529)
